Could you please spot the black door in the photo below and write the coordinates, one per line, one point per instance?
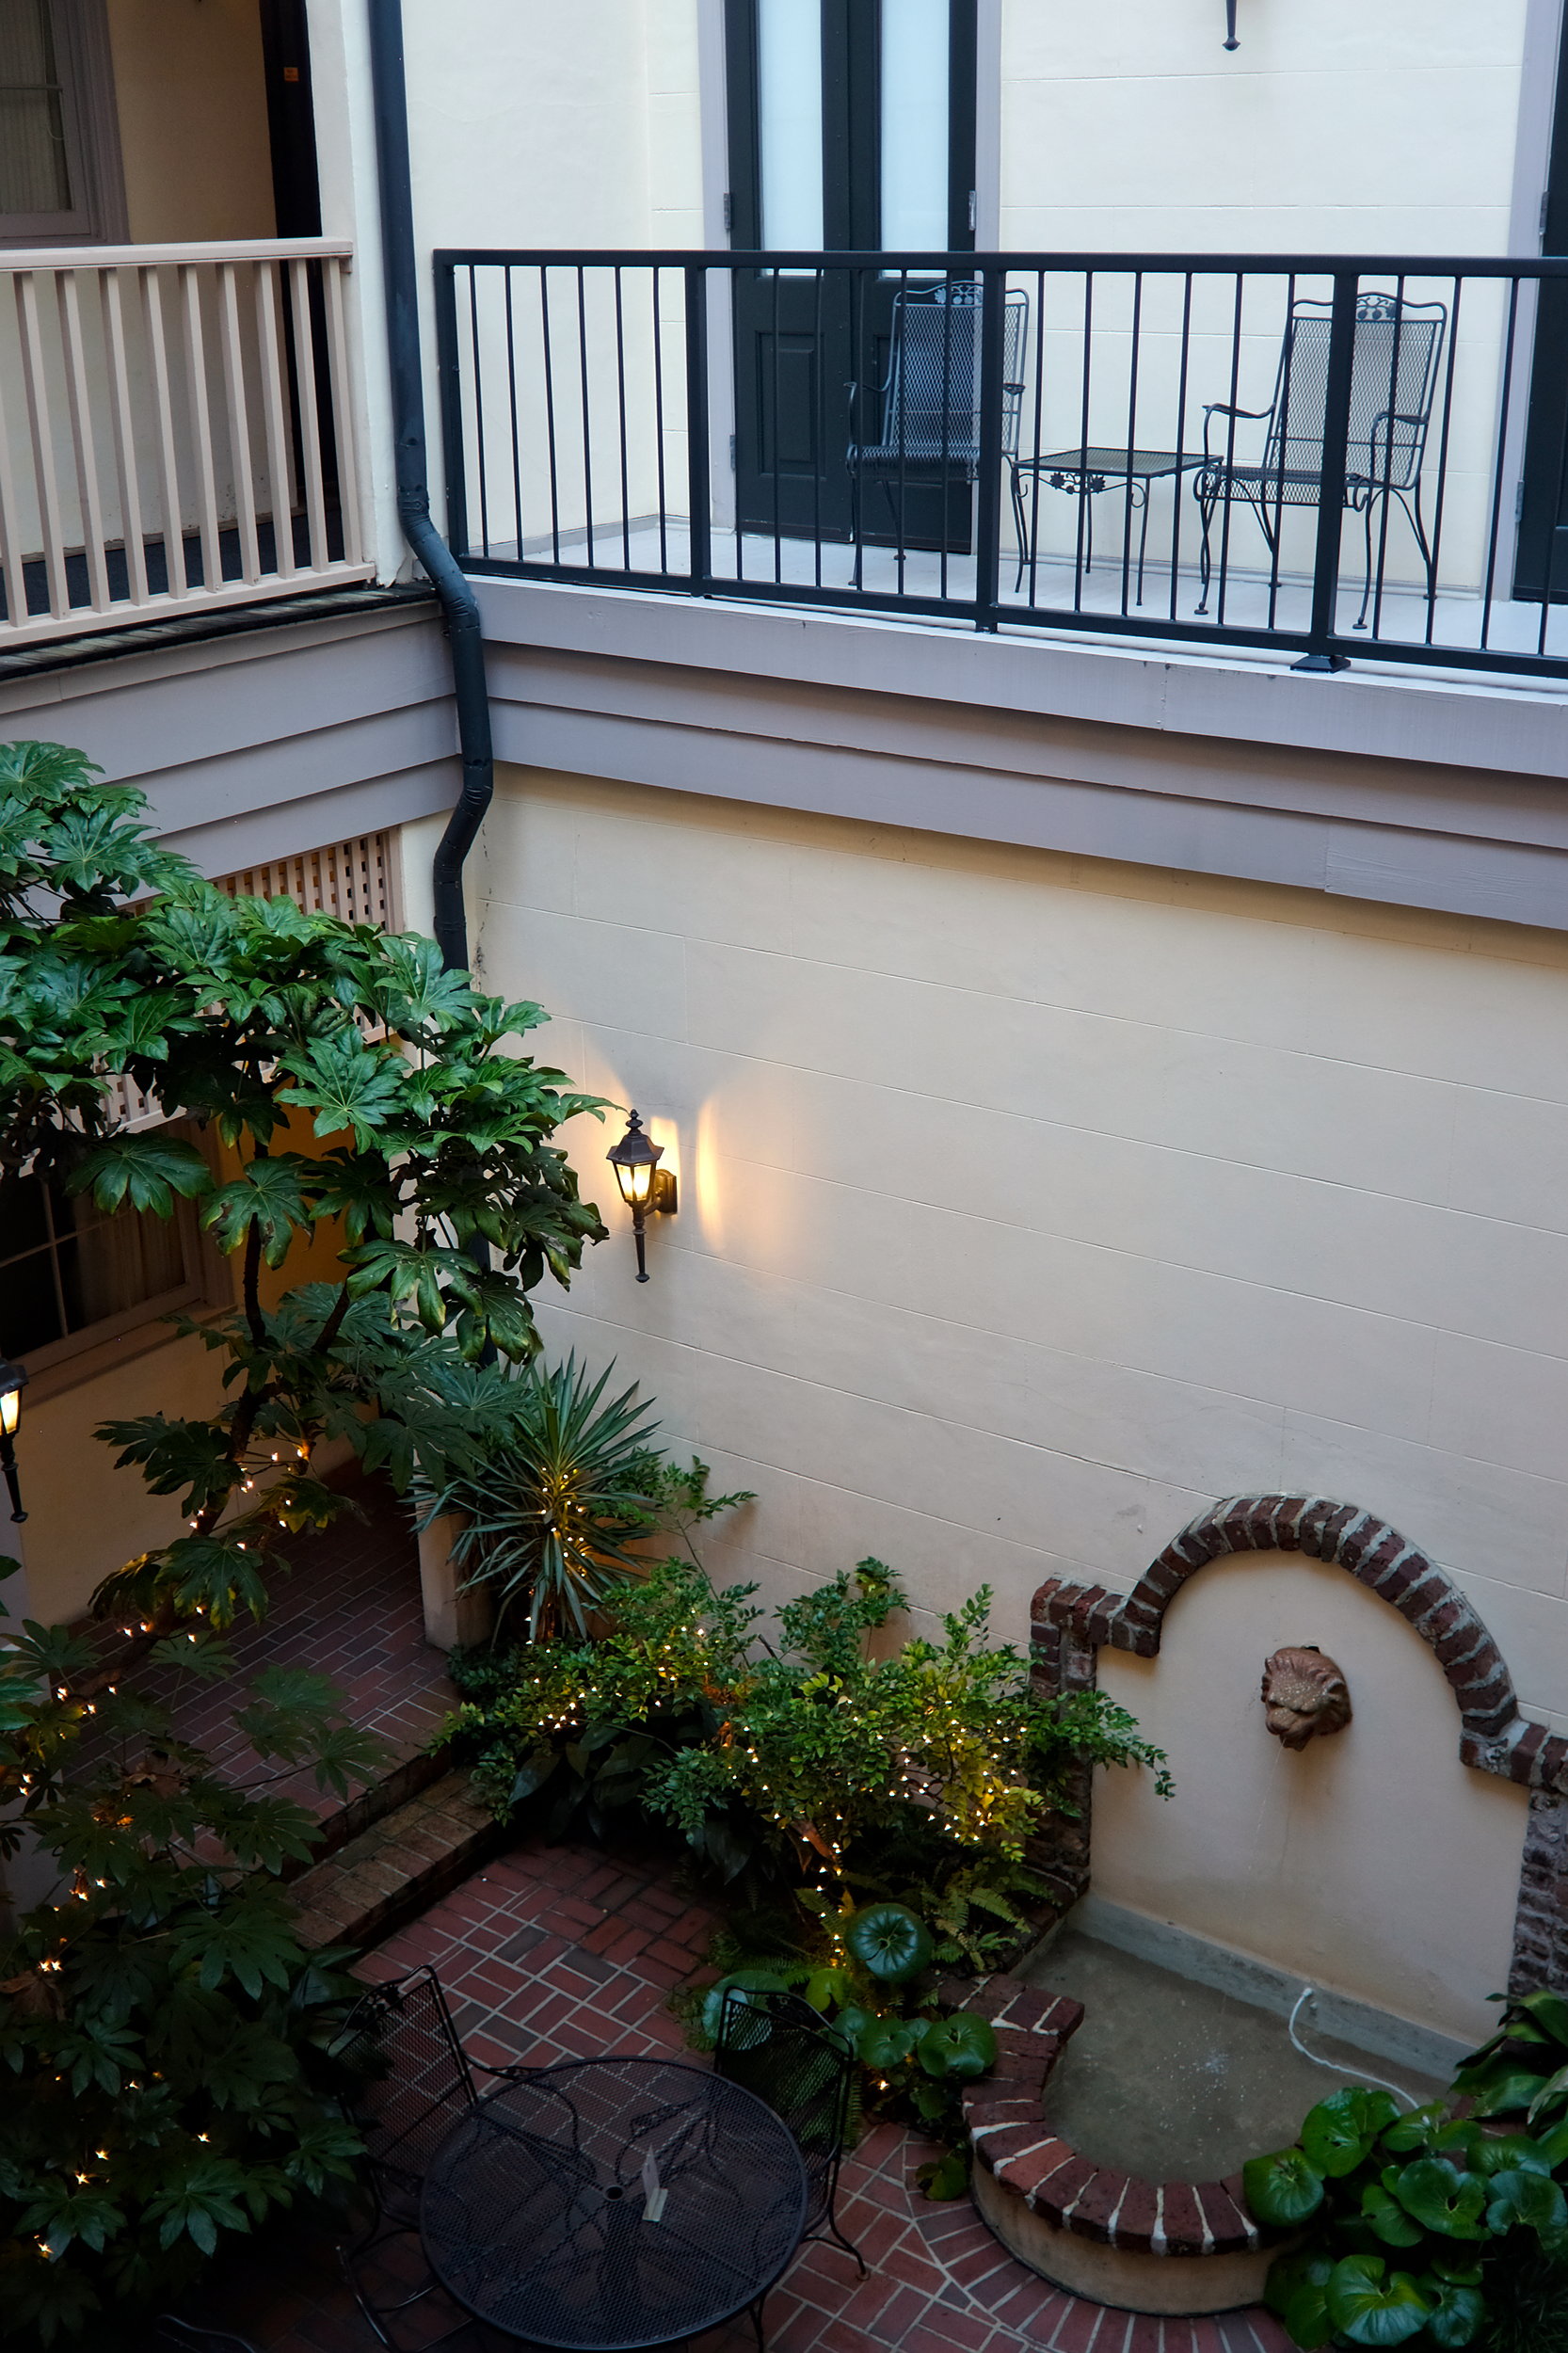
(1540, 560)
(850, 128)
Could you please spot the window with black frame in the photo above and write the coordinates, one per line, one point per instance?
(59, 151)
(73, 1274)
(851, 128)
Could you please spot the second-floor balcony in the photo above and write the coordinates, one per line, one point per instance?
(1320, 457)
(177, 432)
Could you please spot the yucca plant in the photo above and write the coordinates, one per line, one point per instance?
(555, 1500)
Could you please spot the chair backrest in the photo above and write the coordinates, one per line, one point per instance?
(932, 410)
(412, 2081)
(1394, 361)
(776, 2046)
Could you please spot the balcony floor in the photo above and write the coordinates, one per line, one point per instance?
(1053, 586)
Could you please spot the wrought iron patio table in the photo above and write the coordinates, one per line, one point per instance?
(1086, 470)
(612, 2204)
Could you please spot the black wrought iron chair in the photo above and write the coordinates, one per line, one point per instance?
(412, 2082)
(1394, 365)
(776, 2046)
(931, 399)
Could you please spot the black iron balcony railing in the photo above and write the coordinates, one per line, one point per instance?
(1321, 456)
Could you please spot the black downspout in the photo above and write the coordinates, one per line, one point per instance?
(400, 273)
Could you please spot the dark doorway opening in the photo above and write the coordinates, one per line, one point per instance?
(851, 128)
(291, 118)
(1540, 558)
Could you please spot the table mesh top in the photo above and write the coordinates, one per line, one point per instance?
(1126, 464)
(533, 2209)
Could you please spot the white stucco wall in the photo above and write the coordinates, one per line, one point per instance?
(1373, 1863)
(1028, 1204)
(1031, 1202)
(1333, 128)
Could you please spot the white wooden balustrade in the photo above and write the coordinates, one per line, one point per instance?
(177, 431)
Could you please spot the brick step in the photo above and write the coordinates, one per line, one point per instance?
(401, 1860)
(409, 1769)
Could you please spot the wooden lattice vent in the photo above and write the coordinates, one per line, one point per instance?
(351, 879)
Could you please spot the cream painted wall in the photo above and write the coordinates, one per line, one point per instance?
(193, 128)
(84, 1517)
(1373, 1863)
(534, 124)
(1029, 1202)
(1335, 127)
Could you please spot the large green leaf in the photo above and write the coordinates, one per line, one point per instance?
(1456, 2313)
(1283, 2189)
(1528, 2198)
(1440, 2196)
(1340, 2132)
(1388, 2220)
(890, 1941)
(144, 1172)
(1497, 2092)
(1372, 2308)
(347, 1083)
(1296, 2290)
(1553, 2093)
(1549, 2013)
(269, 1196)
(960, 2047)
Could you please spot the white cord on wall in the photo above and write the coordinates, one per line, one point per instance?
(1309, 1994)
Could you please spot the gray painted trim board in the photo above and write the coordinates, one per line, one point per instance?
(1409, 868)
(252, 746)
(1452, 720)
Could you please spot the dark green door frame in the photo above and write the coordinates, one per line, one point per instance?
(1540, 556)
(800, 340)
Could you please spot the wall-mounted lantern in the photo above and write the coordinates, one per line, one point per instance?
(13, 1380)
(1231, 41)
(645, 1186)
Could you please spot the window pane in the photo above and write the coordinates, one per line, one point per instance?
(34, 177)
(915, 59)
(66, 1266)
(789, 76)
(119, 1261)
(28, 1315)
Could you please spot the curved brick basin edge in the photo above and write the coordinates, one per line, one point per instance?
(1176, 2247)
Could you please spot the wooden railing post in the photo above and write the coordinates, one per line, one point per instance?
(185, 432)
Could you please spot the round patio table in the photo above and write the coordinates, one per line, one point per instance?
(612, 2204)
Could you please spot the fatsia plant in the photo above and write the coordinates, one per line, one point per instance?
(165, 2039)
(432, 1168)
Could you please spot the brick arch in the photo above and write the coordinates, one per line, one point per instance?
(1072, 1622)
(1376, 1555)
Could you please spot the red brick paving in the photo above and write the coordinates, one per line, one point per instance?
(515, 1947)
(348, 1607)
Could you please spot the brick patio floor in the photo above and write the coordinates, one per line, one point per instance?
(348, 1607)
(555, 1953)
